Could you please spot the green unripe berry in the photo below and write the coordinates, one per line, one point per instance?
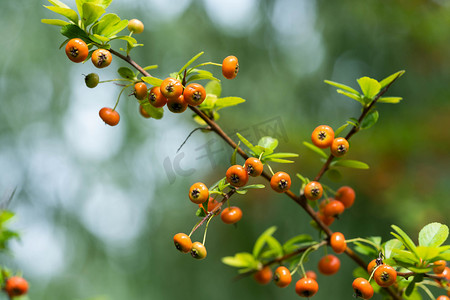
(135, 26)
(91, 80)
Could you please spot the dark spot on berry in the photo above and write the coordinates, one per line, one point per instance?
(322, 135)
(282, 184)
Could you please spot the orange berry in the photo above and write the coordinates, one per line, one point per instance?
(171, 88)
(156, 98)
(230, 67)
(322, 136)
(282, 276)
(198, 250)
(329, 264)
(109, 116)
(346, 195)
(362, 288)
(313, 190)
(385, 275)
(253, 166)
(101, 58)
(194, 94)
(135, 26)
(263, 276)
(439, 266)
(16, 286)
(339, 147)
(140, 90)
(280, 182)
(371, 265)
(333, 209)
(337, 242)
(237, 176)
(442, 297)
(311, 274)
(143, 112)
(325, 219)
(182, 242)
(212, 203)
(306, 287)
(231, 215)
(177, 105)
(198, 193)
(77, 50)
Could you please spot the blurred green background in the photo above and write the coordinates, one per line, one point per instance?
(97, 206)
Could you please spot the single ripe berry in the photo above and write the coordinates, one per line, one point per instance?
(182, 242)
(362, 288)
(371, 266)
(325, 219)
(135, 26)
(177, 105)
(237, 176)
(143, 112)
(282, 276)
(171, 88)
(91, 80)
(280, 182)
(311, 274)
(212, 203)
(313, 190)
(442, 297)
(198, 193)
(333, 209)
(337, 242)
(322, 136)
(101, 58)
(346, 195)
(231, 215)
(77, 50)
(385, 275)
(263, 276)
(339, 147)
(194, 94)
(109, 116)
(16, 286)
(140, 90)
(253, 166)
(198, 250)
(306, 287)
(439, 266)
(329, 264)
(156, 98)
(230, 67)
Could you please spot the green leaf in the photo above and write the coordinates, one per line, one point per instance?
(202, 76)
(353, 121)
(412, 284)
(340, 129)
(391, 100)
(352, 96)
(214, 87)
(342, 87)
(105, 22)
(365, 249)
(252, 186)
(405, 239)
(127, 73)
(5, 215)
(261, 241)
(73, 31)
(369, 86)
(152, 80)
(128, 39)
(391, 78)
(268, 142)
(228, 101)
(58, 3)
(433, 235)
(279, 160)
(282, 155)
(370, 120)
(190, 62)
(91, 12)
(66, 12)
(151, 67)
(274, 245)
(349, 163)
(427, 252)
(303, 179)
(54, 22)
(299, 239)
(233, 156)
(277, 157)
(391, 245)
(200, 212)
(99, 39)
(240, 260)
(244, 141)
(155, 113)
(316, 149)
(112, 30)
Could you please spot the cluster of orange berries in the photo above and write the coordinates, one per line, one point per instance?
(323, 137)
(15, 286)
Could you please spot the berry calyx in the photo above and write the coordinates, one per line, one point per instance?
(337, 242)
(280, 182)
(385, 275)
(313, 190)
(135, 26)
(198, 250)
(231, 215)
(237, 176)
(306, 287)
(198, 193)
(91, 80)
(339, 147)
(140, 90)
(101, 58)
(182, 242)
(346, 195)
(329, 264)
(230, 67)
(282, 277)
(109, 116)
(322, 136)
(254, 166)
(263, 276)
(194, 94)
(77, 50)
(362, 288)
